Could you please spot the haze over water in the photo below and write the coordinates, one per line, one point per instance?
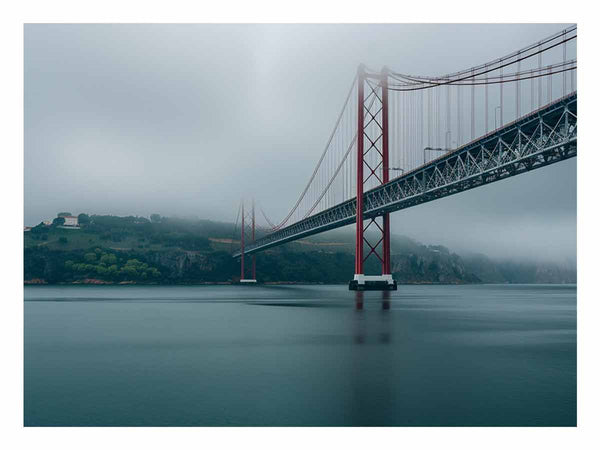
(300, 355)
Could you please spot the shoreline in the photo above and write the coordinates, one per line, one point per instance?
(95, 282)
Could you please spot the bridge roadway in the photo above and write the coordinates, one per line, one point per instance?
(543, 137)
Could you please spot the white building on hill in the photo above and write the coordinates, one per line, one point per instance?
(71, 221)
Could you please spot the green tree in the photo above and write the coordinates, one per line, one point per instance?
(129, 271)
(58, 221)
(83, 219)
(108, 259)
(90, 257)
(155, 218)
(153, 272)
(39, 228)
(63, 240)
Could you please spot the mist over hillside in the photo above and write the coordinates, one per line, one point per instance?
(168, 250)
(416, 262)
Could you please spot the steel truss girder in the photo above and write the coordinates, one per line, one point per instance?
(546, 136)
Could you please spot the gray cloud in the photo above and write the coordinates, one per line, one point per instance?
(185, 119)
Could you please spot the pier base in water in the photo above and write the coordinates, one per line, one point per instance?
(373, 283)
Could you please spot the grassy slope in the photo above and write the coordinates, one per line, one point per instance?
(329, 242)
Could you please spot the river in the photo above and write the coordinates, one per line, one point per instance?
(474, 355)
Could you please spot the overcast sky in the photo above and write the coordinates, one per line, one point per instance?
(185, 119)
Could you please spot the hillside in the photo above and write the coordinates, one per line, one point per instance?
(111, 249)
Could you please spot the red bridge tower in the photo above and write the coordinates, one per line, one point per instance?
(245, 231)
(372, 164)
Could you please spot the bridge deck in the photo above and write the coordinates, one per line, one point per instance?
(544, 137)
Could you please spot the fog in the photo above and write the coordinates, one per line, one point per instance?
(186, 119)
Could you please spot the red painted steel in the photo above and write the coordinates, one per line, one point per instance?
(383, 252)
(242, 246)
(386, 266)
(358, 263)
(253, 239)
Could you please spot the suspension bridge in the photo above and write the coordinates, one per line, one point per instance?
(402, 140)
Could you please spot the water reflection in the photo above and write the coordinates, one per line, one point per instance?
(201, 356)
(385, 336)
(385, 300)
(372, 397)
(378, 324)
(359, 300)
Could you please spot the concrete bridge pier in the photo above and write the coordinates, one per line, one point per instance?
(373, 283)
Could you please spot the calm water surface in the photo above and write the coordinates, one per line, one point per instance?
(300, 355)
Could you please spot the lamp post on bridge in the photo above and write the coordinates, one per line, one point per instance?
(496, 109)
(434, 149)
(399, 169)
